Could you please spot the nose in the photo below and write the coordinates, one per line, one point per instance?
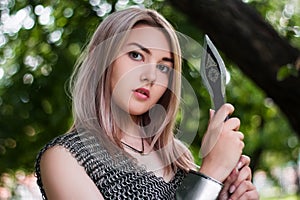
(149, 73)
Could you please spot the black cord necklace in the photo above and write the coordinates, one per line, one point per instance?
(134, 149)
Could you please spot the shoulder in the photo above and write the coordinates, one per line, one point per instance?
(59, 171)
(73, 142)
(63, 178)
(65, 140)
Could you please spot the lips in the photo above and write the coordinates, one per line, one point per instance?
(142, 93)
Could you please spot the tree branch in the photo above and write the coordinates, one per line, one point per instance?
(250, 42)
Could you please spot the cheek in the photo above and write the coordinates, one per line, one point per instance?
(121, 87)
(117, 76)
(160, 90)
(117, 71)
(162, 78)
(120, 96)
(161, 84)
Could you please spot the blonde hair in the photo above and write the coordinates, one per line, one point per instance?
(90, 85)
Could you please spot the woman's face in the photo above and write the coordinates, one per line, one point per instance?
(140, 74)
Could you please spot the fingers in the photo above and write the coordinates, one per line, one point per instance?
(223, 112)
(246, 191)
(244, 161)
(224, 194)
(250, 195)
(244, 173)
(218, 161)
(233, 123)
(218, 119)
(242, 186)
(244, 169)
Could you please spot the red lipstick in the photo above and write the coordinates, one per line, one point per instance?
(141, 93)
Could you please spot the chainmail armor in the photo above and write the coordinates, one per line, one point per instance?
(116, 178)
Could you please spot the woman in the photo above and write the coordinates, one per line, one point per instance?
(126, 92)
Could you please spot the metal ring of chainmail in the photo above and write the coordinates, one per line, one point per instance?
(116, 178)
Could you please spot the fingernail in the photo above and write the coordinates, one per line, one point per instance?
(240, 164)
(231, 189)
(236, 170)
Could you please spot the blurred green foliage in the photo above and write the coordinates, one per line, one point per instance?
(37, 57)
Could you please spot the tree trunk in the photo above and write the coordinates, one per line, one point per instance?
(245, 38)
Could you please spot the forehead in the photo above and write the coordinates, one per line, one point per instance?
(149, 37)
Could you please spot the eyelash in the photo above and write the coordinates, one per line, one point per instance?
(163, 68)
(133, 55)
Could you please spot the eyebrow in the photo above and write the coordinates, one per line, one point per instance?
(149, 52)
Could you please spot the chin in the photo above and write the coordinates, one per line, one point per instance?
(138, 110)
(136, 113)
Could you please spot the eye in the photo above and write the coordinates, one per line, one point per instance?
(163, 68)
(135, 55)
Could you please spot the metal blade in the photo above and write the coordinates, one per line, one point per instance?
(213, 73)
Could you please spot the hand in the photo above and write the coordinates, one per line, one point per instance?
(238, 184)
(222, 144)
